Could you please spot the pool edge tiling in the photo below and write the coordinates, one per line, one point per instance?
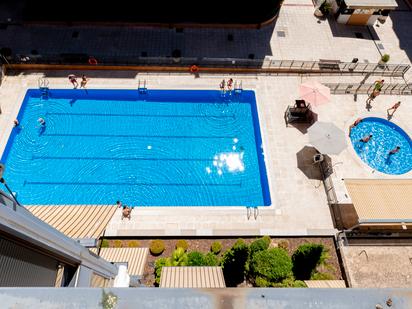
(178, 96)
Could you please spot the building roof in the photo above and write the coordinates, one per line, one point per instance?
(325, 284)
(81, 221)
(381, 200)
(134, 257)
(379, 4)
(192, 277)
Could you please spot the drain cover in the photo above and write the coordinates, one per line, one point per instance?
(281, 34)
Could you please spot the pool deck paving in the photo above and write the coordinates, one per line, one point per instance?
(299, 205)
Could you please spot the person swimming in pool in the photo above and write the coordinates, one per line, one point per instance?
(366, 138)
(41, 121)
(394, 150)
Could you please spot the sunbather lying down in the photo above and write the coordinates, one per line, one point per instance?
(126, 212)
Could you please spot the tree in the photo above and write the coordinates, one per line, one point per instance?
(234, 261)
(306, 258)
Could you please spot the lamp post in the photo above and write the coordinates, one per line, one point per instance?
(3, 181)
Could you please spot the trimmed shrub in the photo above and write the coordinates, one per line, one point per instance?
(157, 247)
(195, 258)
(104, 243)
(305, 260)
(117, 243)
(178, 258)
(322, 276)
(158, 269)
(283, 244)
(273, 265)
(133, 244)
(385, 58)
(181, 243)
(210, 259)
(259, 245)
(234, 263)
(216, 247)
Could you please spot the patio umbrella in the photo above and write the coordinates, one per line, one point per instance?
(314, 92)
(327, 138)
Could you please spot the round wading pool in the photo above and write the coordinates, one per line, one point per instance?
(385, 137)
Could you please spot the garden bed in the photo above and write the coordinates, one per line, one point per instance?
(203, 245)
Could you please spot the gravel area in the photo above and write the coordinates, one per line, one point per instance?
(204, 244)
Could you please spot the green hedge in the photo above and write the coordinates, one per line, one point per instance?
(210, 259)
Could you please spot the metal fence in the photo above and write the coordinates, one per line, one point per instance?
(267, 64)
(358, 88)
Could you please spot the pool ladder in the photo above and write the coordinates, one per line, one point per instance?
(238, 88)
(249, 212)
(142, 87)
(44, 88)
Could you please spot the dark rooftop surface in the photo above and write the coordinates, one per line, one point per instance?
(127, 11)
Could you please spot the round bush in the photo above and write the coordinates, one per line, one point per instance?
(117, 243)
(104, 243)
(283, 244)
(210, 259)
(181, 243)
(385, 58)
(273, 265)
(216, 247)
(259, 245)
(157, 247)
(133, 244)
(195, 258)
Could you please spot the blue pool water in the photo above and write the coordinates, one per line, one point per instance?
(162, 148)
(385, 137)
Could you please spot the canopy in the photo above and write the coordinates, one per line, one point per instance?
(192, 277)
(381, 200)
(327, 138)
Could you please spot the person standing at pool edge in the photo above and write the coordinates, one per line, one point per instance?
(73, 80)
(222, 86)
(394, 108)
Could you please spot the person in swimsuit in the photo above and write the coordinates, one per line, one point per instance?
(394, 150)
(73, 80)
(229, 84)
(84, 81)
(366, 138)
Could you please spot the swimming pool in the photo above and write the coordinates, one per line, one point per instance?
(385, 137)
(160, 148)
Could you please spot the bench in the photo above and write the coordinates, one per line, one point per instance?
(329, 64)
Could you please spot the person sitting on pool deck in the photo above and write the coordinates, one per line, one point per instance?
(357, 121)
(126, 212)
(394, 150)
(366, 138)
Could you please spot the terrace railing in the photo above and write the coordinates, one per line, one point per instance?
(359, 88)
(267, 65)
